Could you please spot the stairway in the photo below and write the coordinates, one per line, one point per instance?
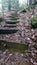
(10, 25)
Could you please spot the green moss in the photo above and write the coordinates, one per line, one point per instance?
(18, 50)
(16, 47)
(34, 22)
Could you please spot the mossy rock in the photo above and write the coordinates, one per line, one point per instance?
(34, 22)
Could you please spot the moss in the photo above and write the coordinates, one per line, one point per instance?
(16, 47)
(17, 50)
(34, 22)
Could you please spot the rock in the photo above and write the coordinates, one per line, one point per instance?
(22, 55)
(12, 63)
(32, 36)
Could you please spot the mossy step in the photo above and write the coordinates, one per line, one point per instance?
(15, 46)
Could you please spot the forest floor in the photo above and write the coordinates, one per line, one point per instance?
(26, 35)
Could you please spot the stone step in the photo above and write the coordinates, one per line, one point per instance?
(8, 31)
(10, 25)
(12, 21)
(11, 18)
(3, 28)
